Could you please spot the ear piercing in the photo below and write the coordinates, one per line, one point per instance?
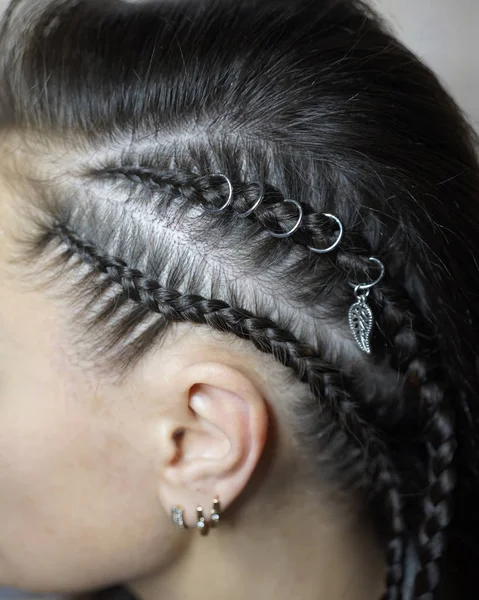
(177, 513)
(215, 513)
(177, 516)
(201, 521)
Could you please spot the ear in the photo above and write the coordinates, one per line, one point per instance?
(212, 439)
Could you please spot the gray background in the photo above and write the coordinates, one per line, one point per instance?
(445, 34)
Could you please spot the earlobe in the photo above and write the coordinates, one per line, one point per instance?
(222, 438)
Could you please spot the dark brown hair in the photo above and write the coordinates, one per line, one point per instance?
(310, 100)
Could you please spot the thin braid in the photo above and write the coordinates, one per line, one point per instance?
(437, 503)
(273, 214)
(175, 306)
(324, 382)
(439, 439)
(387, 480)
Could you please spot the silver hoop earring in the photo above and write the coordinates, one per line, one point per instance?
(361, 318)
(201, 521)
(338, 239)
(215, 513)
(296, 227)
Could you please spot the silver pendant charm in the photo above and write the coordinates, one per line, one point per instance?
(361, 321)
(361, 318)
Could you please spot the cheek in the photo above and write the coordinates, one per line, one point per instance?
(78, 506)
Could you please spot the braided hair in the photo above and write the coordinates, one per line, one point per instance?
(287, 100)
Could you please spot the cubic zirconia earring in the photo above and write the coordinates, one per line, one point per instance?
(177, 513)
(215, 513)
(201, 521)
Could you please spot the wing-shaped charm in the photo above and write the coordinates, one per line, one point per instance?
(361, 323)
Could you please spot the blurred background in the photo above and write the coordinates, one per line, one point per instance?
(445, 34)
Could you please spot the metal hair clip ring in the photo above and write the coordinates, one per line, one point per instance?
(296, 227)
(230, 195)
(255, 205)
(361, 318)
(338, 239)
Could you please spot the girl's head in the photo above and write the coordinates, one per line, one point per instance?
(157, 351)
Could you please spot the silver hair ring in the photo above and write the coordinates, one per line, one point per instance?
(338, 240)
(298, 224)
(255, 205)
(230, 196)
(365, 287)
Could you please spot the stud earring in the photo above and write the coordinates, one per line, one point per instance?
(177, 513)
(201, 521)
(215, 513)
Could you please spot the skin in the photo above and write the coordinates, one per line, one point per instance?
(90, 467)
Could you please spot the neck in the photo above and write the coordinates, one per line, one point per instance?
(297, 554)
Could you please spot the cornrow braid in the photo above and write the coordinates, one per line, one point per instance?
(272, 213)
(324, 381)
(317, 231)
